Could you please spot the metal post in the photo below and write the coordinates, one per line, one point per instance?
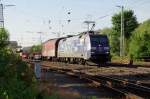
(60, 22)
(2, 8)
(3, 15)
(2, 19)
(88, 26)
(40, 39)
(122, 32)
(123, 35)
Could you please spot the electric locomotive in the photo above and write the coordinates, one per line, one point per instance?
(87, 46)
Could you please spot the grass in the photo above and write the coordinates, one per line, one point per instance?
(117, 59)
(126, 60)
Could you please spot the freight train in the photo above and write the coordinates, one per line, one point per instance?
(80, 48)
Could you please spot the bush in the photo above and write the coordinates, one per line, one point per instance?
(16, 79)
(4, 37)
(140, 41)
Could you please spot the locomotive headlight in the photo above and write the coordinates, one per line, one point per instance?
(107, 52)
(92, 52)
(93, 48)
(106, 48)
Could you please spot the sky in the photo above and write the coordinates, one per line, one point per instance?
(30, 20)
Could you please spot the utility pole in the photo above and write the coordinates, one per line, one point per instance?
(123, 35)
(40, 33)
(122, 29)
(2, 14)
(122, 32)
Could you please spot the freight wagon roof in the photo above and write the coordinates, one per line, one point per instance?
(53, 39)
(83, 33)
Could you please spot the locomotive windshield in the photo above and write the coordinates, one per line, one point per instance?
(98, 40)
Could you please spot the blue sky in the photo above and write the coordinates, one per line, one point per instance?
(28, 17)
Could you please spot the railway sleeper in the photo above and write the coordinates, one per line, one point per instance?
(110, 82)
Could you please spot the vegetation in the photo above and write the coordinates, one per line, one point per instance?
(113, 33)
(130, 23)
(140, 41)
(137, 37)
(4, 37)
(36, 48)
(16, 77)
(17, 80)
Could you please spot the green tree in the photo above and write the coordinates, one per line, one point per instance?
(140, 41)
(106, 31)
(36, 48)
(130, 23)
(4, 38)
(16, 77)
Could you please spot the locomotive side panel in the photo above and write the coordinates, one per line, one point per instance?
(72, 47)
(87, 47)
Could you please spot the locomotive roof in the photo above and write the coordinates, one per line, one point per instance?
(68, 36)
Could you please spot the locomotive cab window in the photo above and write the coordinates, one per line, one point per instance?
(98, 40)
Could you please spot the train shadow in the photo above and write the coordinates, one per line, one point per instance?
(121, 65)
(127, 65)
(115, 65)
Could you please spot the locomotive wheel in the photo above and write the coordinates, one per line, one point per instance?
(71, 60)
(83, 62)
(68, 60)
(74, 60)
(79, 61)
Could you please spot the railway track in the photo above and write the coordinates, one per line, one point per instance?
(124, 88)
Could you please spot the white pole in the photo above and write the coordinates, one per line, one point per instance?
(123, 35)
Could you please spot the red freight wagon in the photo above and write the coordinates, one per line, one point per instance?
(24, 55)
(49, 48)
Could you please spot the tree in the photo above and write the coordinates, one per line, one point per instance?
(17, 80)
(140, 41)
(106, 31)
(4, 38)
(36, 48)
(130, 23)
